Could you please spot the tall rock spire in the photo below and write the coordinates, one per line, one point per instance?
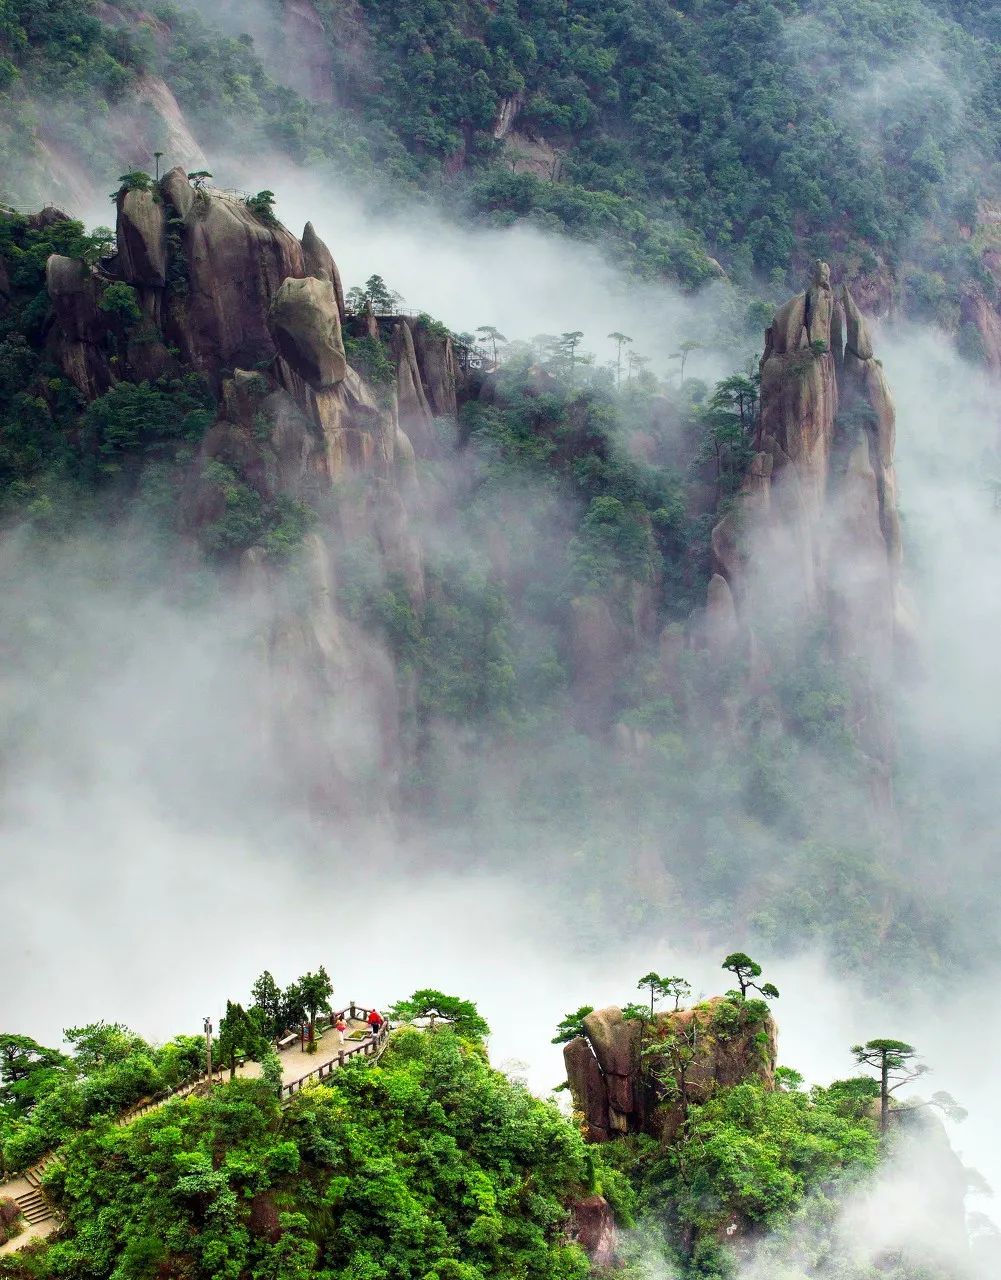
(812, 541)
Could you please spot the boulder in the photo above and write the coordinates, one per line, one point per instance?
(306, 327)
(178, 191)
(616, 1044)
(588, 1088)
(318, 261)
(235, 264)
(618, 1089)
(592, 1226)
(142, 238)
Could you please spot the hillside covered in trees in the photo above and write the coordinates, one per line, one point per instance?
(429, 1161)
(689, 140)
(314, 610)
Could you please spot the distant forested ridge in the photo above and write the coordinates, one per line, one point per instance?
(688, 139)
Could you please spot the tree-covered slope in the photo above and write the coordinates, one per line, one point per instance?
(758, 135)
(428, 1161)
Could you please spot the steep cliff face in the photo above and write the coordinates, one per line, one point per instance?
(629, 1077)
(813, 538)
(227, 292)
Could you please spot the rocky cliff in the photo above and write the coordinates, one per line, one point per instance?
(225, 291)
(628, 1076)
(813, 538)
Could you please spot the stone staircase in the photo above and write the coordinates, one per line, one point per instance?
(34, 1204)
(35, 1207)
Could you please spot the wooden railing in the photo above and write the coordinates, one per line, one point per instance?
(152, 1104)
(371, 1047)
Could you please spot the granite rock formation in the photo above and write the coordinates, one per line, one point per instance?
(618, 1067)
(234, 296)
(812, 541)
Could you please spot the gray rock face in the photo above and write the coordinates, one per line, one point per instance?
(142, 241)
(77, 337)
(814, 530)
(234, 265)
(306, 327)
(618, 1088)
(415, 414)
(438, 370)
(319, 261)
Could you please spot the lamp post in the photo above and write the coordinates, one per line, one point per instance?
(208, 1048)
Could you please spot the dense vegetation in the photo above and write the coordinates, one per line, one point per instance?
(427, 1163)
(764, 133)
(620, 478)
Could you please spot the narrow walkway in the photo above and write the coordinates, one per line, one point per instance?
(41, 1217)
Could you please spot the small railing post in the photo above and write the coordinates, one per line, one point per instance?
(352, 1009)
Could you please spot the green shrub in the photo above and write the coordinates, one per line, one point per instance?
(120, 300)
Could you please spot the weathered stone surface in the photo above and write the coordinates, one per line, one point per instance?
(179, 142)
(359, 434)
(178, 191)
(79, 325)
(616, 1044)
(619, 1089)
(235, 266)
(306, 62)
(857, 339)
(294, 419)
(141, 236)
(527, 152)
(860, 576)
(819, 306)
(405, 461)
(319, 261)
(588, 1088)
(788, 329)
(415, 414)
(507, 113)
(592, 1226)
(838, 327)
(438, 369)
(814, 528)
(306, 327)
(730, 1046)
(799, 402)
(720, 619)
